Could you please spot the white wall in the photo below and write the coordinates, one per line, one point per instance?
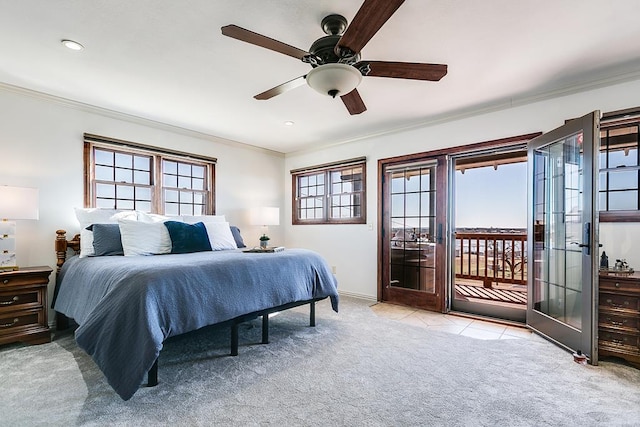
(41, 145)
(352, 249)
(621, 240)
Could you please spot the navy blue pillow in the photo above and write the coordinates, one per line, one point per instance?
(237, 237)
(106, 239)
(187, 238)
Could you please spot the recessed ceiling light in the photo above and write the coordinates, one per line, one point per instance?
(70, 44)
(289, 123)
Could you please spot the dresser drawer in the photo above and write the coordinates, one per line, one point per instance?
(13, 322)
(615, 321)
(619, 339)
(618, 284)
(619, 302)
(19, 300)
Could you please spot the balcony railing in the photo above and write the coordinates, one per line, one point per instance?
(491, 258)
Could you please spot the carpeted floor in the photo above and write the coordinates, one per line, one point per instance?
(353, 368)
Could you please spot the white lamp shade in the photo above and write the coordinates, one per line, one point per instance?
(18, 202)
(264, 216)
(334, 77)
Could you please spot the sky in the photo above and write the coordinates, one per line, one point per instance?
(492, 198)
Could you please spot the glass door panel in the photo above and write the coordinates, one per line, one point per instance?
(412, 245)
(562, 166)
(413, 210)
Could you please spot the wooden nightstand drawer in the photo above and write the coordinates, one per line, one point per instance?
(15, 322)
(614, 321)
(19, 300)
(26, 276)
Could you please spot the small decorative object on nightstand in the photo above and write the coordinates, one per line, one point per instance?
(23, 305)
(264, 241)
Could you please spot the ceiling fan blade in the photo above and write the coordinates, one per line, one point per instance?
(291, 84)
(405, 70)
(353, 102)
(245, 35)
(368, 20)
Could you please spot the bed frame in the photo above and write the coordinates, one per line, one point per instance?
(64, 246)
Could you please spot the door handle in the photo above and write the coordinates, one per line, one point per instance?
(586, 238)
(439, 233)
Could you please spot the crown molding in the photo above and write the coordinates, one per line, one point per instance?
(92, 109)
(498, 105)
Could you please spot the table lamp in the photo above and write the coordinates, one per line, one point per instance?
(15, 203)
(265, 217)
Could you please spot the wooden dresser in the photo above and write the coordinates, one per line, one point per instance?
(619, 317)
(23, 305)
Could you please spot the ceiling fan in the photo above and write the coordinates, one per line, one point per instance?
(337, 69)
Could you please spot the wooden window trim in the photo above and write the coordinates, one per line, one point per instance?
(611, 121)
(326, 169)
(158, 155)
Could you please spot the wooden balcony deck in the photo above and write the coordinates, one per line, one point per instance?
(503, 295)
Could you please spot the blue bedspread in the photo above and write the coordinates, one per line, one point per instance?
(127, 306)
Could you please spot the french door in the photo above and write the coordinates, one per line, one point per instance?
(413, 208)
(562, 234)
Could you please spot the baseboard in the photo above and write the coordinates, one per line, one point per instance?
(357, 295)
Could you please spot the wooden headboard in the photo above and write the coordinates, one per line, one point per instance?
(62, 245)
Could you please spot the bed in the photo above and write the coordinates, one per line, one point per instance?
(127, 306)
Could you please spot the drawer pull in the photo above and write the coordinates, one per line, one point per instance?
(8, 325)
(5, 281)
(617, 285)
(12, 301)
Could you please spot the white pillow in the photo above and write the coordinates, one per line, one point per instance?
(192, 219)
(88, 216)
(144, 238)
(220, 236)
(150, 217)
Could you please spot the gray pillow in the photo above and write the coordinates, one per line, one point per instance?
(237, 237)
(106, 239)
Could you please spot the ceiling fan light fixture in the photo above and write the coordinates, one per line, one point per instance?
(334, 79)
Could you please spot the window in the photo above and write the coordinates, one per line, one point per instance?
(125, 175)
(619, 176)
(330, 194)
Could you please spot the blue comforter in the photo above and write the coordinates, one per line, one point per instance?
(127, 306)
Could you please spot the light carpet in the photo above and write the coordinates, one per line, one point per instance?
(353, 369)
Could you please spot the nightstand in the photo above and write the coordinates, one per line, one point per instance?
(23, 305)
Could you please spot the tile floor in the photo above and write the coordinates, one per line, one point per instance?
(474, 328)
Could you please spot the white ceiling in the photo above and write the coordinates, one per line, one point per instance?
(167, 61)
